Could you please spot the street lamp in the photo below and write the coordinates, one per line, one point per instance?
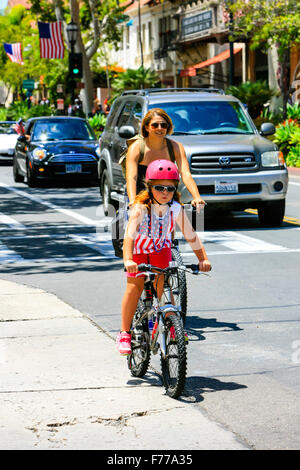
(72, 31)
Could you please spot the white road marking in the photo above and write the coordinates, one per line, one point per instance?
(7, 255)
(238, 242)
(74, 215)
(12, 223)
(96, 241)
(235, 243)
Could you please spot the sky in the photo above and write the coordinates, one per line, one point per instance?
(3, 4)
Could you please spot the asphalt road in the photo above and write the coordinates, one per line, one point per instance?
(243, 321)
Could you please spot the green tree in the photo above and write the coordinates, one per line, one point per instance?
(269, 23)
(135, 79)
(98, 23)
(255, 95)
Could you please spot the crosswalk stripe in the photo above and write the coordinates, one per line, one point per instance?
(7, 255)
(12, 223)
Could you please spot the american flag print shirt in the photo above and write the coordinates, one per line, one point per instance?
(154, 232)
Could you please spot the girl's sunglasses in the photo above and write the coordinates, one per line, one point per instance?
(155, 125)
(160, 188)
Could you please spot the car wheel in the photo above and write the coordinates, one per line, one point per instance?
(109, 205)
(31, 179)
(272, 213)
(17, 177)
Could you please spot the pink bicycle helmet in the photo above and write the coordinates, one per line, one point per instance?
(162, 170)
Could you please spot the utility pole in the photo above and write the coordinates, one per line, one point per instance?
(140, 37)
(231, 44)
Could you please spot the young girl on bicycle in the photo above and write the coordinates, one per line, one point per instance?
(148, 238)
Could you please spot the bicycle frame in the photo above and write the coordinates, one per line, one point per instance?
(164, 306)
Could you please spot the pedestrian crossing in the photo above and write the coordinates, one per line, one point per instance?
(65, 235)
(96, 244)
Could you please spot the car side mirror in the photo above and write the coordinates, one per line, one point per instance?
(126, 132)
(22, 139)
(267, 128)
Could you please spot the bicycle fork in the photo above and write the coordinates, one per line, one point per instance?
(166, 307)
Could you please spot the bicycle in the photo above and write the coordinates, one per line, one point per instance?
(167, 334)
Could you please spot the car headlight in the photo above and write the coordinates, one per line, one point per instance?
(273, 158)
(97, 150)
(39, 154)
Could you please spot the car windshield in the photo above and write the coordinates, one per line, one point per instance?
(62, 129)
(6, 128)
(207, 117)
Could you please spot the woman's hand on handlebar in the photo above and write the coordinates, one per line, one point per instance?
(204, 266)
(131, 266)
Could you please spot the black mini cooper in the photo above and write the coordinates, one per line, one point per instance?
(55, 147)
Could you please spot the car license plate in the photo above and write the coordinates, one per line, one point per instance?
(225, 187)
(73, 168)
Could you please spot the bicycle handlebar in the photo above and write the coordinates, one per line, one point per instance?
(184, 267)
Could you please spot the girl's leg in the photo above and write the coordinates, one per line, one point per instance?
(130, 300)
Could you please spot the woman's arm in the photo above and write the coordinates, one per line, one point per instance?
(184, 170)
(132, 159)
(194, 241)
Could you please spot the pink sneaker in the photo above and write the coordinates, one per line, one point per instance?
(123, 343)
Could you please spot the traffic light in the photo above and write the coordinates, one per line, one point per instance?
(75, 65)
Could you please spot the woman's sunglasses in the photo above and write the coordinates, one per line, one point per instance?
(160, 188)
(155, 125)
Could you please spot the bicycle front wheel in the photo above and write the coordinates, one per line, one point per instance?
(174, 364)
(139, 359)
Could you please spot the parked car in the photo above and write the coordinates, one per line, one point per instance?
(234, 165)
(8, 140)
(55, 147)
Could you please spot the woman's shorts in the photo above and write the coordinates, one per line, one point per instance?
(160, 259)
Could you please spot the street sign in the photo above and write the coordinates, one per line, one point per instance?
(60, 88)
(60, 103)
(28, 84)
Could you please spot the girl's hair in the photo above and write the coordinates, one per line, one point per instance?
(150, 115)
(144, 198)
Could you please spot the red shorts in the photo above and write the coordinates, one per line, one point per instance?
(161, 259)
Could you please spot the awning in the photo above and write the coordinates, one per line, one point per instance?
(191, 71)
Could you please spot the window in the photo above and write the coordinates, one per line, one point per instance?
(149, 37)
(131, 115)
(126, 114)
(207, 117)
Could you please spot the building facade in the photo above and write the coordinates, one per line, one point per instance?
(187, 44)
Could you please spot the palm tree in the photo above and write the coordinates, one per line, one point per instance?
(134, 79)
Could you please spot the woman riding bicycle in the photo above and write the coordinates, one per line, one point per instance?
(148, 238)
(155, 126)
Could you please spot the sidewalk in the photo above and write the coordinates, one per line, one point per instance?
(64, 386)
(293, 171)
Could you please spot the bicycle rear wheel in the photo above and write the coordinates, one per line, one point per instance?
(174, 364)
(139, 359)
(179, 285)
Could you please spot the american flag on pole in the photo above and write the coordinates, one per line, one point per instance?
(51, 40)
(14, 52)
